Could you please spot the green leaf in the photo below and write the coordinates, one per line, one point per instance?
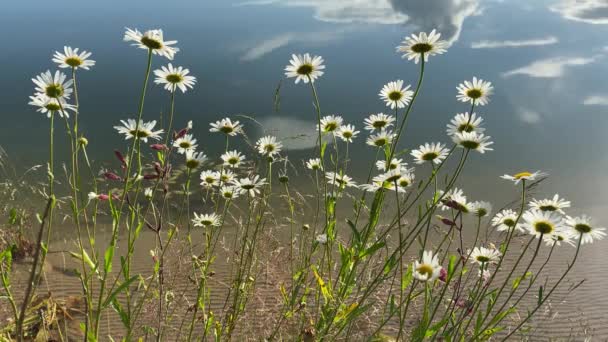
(372, 249)
(108, 256)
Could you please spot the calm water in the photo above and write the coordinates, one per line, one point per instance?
(547, 60)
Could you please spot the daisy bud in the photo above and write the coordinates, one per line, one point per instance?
(83, 141)
(443, 275)
(446, 221)
(120, 157)
(180, 134)
(158, 147)
(111, 176)
(103, 197)
(150, 176)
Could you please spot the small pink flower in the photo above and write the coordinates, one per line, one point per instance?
(443, 275)
(120, 157)
(103, 197)
(111, 176)
(158, 147)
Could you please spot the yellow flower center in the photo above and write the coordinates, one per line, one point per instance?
(522, 175)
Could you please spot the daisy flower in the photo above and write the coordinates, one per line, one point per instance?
(210, 179)
(477, 91)
(321, 239)
(226, 176)
(527, 176)
(484, 256)
(330, 123)
(582, 227)
(542, 223)
(47, 105)
(454, 199)
(152, 40)
(268, 145)
(233, 158)
(228, 192)
(433, 152)
(149, 193)
(422, 45)
(206, 220)
(185, 143)
(249, 185)
(70, 58)
(347, 133)
(480, 208)
(554, 204)
(194, 159)
(340, 180)
(406, 179)
(559, 236)
(394, 164)
(473, 141)
(465, 122)
(314, 164)
(380, 139)
(378, 121)
(304, 68)
(143, 130)
(174, 78)
(53, 86)
(505, 221)
(379, 184)
(226, 126)
(427, 269)
(395, 95)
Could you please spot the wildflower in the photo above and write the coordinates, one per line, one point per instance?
(206, 220)
(454, 199)
(149, 193)
(305, 68)
(347, 133)
(465, 122)
(433, 152)
(378, 121)
(226, 176)
(210, 179)
(185, 143)
(542, 223)
(53, 86)
(524, 176)
(70, 58)
(174, 78)
(232, 158)
(473, 141)
(321, 239)
(505, 221)
(226, 126)
(159, 147)
(194, 159)
(111, 176)
(314, 164)
(249, 185)
(83, 141)
(340, 180)
(559, 236)
(422, 45)
(395, 95)
(378, 184)
(477, 91)
(554, 204)
(481, 208)
(142, 131)
(92, 195)
(331, 123)
(268, 145)
(484, 256)
(152, 40)
(228, 192)
(380, 139)
(47, 105)
(406, 179)
(394, 164)
(581, 227)
(427, 269)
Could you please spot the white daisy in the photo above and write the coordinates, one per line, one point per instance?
(582, 227)
(477, 91)
(433, 152)
(395, 95)
(527, 176)
(48, 105)
(347, 133)
(152, 40)
(406, 179)
(143, 130)
(542, 223)
(149, 193)
(377, 185)
(185, 143)
(210, 179)
(206, 220)
(340, 180)
(554, 204)
(454, 199)
(559, 236)
(505, 221)
(233, 158)
(381, 139)
(379, 121)
(54, 86)
(427, 269)
(174, 78)
(249, 185)
(314, 164)
(484, 256)
(321, 239)
(268, 145)
(226, 176)
(194, 159)
(70, 58)
(422, 44)
(305, 68)
(395, 163)
(226, 126)
(480, 208)
(465, 122)
(330, 123)
(473, 141)
(228, 192)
